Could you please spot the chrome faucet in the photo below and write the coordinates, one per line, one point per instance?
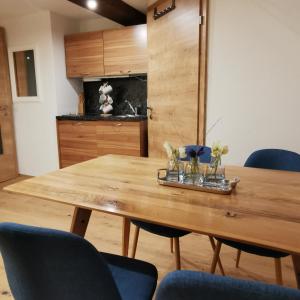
(134, 110)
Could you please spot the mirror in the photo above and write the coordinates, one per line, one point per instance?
(25, 75)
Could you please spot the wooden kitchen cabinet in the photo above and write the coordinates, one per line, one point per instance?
(125, 50)
(79, 141)
(122, 138)
(84, 54)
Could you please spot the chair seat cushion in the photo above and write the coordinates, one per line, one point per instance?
(253, 249)
(191, 285)
(135, 279)
(160, 230)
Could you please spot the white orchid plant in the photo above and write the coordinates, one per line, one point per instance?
(174, 153)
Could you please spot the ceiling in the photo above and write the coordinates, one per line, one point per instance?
(17, 8)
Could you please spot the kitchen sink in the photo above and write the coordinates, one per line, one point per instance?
(127, 116)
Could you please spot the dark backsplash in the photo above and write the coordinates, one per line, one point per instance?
(133, 89)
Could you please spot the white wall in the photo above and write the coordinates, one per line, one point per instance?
(97, 24)
(254, 75)
(35, 122)
(67, 90)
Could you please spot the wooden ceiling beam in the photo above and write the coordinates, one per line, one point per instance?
(116, 10)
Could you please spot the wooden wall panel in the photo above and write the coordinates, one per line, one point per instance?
(8, 160)
(173, 76)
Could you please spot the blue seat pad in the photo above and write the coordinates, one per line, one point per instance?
(160, 230)
(135, 279)
(253, 249)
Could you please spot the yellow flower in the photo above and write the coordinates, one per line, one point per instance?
(225, 150)
(217, 150)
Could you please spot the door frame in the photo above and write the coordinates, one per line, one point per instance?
(8, 146)
(203, 58)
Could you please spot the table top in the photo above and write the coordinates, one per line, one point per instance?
(264, 208)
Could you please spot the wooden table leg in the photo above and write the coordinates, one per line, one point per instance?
(125, 237)
(296, 262)
(80, 221)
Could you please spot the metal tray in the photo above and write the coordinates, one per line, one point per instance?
(224, 188)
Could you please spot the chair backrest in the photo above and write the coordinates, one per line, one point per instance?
(205, 157)
(275, 159)
(190, 285)
(50, 264)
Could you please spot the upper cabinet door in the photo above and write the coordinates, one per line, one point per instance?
(125, 50)
(84, 54)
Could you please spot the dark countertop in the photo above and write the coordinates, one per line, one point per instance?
(101, 118)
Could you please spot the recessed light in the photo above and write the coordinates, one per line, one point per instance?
(92, 4)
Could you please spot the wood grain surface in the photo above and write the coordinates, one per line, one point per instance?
(173, 76)
(105, 232)
(8, 159)
(84, 54)
(125, 50)
(265, 204)
(79, 141)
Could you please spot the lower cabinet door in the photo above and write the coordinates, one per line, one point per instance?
(119, 138)
(77, 142)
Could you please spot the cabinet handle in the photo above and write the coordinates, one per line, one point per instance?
(151, 111)
(122, 72)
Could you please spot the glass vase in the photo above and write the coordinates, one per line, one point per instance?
(175, 170)
(192, 174)
(215, 172)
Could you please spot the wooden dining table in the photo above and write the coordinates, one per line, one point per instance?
(263, 210)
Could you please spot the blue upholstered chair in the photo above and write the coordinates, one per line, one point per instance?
(45, 264)
(189, 285)
(172, 233)
(274, 159)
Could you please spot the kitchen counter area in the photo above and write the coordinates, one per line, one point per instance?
(87, 117)
(84, 137)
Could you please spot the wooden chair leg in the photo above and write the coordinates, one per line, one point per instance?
(238, 257)
(171, 245)
(135, 241)
(177, 253)
(213, 246)
(216, 257)
(278, 271)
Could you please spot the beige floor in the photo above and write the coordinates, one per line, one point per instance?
(104, 232)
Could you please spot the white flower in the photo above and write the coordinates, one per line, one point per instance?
(182, 152)
(169, 149)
